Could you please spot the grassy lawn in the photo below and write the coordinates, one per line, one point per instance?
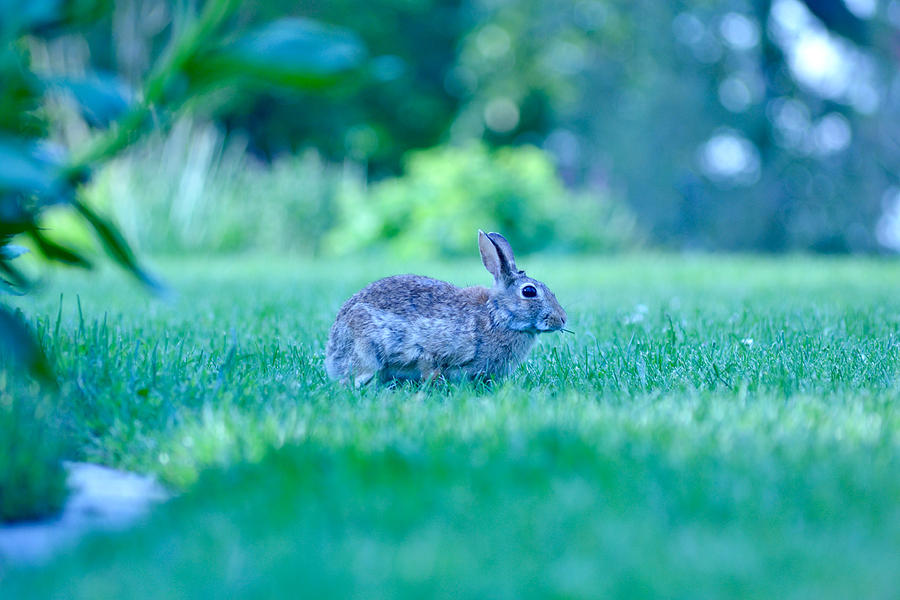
(717, 427)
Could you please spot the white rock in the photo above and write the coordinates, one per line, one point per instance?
(100, 499)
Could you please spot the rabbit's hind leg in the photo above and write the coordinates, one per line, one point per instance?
(362, 379)
(364, 364)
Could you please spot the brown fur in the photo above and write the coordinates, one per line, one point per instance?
(414, 327)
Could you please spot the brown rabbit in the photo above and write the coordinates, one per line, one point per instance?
(414, 327)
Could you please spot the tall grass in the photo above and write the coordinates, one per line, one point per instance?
(34, 442)
(197, 189)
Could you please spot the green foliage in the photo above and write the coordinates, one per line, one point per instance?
(398, 102)
(634, 97)
(30, 180)
(717, 427)
(448, 193)
(196, 190)
(32, 478)
(204, 54)
(295, 53)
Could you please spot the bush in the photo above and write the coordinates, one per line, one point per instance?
(196, 190)
(449, 192)
(32, 477)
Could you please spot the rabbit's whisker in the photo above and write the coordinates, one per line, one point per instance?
(568, 331)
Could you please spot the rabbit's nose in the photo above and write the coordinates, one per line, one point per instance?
(556, 321)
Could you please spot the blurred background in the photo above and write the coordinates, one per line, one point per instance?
(323, 129)
(570, 126)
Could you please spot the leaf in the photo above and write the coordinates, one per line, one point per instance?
(101, 97)
(54, 251)
(116, 246)
(18, 343)
(11, 280)
(292, 52)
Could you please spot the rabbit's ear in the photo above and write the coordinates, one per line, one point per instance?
(493, 257)
(507, 259)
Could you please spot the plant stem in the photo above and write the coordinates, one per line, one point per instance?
(183, 47)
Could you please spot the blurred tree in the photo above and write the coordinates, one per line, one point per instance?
(739, 124)
(727, 125)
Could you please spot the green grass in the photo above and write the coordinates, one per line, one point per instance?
(659, 452)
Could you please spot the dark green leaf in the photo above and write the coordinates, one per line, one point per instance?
(11, 280)
(54, 251)
(291, 52)
(18, 344)
(116, 246)
(102, 98)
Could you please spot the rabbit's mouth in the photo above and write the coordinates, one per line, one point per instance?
(551, 324)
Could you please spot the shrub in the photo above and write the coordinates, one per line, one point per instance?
(198, 190)
(449, 192)
(32, 478)
(208, 194)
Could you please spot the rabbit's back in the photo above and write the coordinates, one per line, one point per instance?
(415, 296)
(404, 325)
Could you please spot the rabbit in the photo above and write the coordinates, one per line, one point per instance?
(419, 328)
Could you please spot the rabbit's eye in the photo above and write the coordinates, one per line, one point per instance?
(529, 291)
